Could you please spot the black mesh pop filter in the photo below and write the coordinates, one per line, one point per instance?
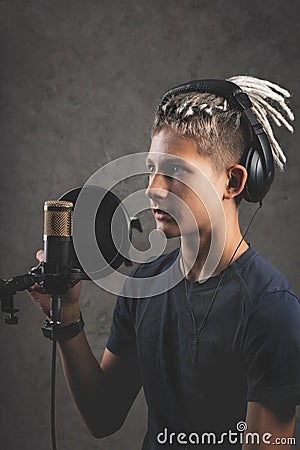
(113, 247)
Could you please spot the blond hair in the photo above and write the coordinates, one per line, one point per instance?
(221, 133)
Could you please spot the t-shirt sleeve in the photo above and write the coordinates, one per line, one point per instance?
(271, 348)
(122, 338)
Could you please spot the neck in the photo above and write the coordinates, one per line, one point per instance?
(209, 260)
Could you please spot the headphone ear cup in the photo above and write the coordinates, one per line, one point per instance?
(259, 158)
(256, 185)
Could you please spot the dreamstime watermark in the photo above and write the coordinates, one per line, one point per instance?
(240, 436)
(105, 179)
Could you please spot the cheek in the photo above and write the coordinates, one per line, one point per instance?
(198, 207)
(191, 212)
(199, 211)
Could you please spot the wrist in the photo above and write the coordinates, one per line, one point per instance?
(69, 314)
(63, 333)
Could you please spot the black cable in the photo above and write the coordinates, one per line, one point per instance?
(53, 379)
(197, 333)
(54, 343)
(55, 308)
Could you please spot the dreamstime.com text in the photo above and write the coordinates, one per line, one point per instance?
(241, 436)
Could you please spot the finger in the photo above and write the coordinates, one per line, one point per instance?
(35, 289)
(40, 255)
(32, 293)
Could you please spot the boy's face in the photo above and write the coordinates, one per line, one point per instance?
(176, 171)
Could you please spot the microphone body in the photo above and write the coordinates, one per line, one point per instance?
(57, 236)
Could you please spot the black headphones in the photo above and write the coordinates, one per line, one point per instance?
(258, 159)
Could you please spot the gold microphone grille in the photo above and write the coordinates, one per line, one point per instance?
(57, 218)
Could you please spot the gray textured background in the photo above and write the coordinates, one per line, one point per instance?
(79, 84)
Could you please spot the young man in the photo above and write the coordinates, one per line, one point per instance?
(210, 352)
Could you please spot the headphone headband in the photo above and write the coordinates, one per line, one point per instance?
(259, 160)
(222, 88)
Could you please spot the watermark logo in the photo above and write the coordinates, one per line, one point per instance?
(241, 426)
(241, 436)
(193, 182)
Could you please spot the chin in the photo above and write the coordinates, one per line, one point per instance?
(170, 230)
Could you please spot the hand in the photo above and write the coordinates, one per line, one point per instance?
(70, 308)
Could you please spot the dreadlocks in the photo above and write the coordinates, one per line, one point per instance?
(220, 132)
(263, 94)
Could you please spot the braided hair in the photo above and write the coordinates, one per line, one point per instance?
(219, 132)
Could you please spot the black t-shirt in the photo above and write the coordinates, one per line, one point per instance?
(247, 350)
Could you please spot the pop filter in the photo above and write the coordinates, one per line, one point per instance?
(112, 247)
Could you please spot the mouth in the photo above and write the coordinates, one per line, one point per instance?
(160, 214)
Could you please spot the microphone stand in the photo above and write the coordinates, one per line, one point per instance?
(8, 289)
(55, 308)
(55, 285)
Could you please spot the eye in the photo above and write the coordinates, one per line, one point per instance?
(177, 169)
(151, 168)
(173, 170)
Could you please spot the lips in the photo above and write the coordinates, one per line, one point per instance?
(160, 214)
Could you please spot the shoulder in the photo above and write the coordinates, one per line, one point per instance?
(272, 310)
(152, 277)
(263, 281)
(157, 265)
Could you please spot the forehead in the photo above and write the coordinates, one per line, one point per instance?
(167, 144)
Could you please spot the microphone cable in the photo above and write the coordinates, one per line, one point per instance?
(53, 386)
(196, 333)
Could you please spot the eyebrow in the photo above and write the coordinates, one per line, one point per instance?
(148, 160)
(172, 159)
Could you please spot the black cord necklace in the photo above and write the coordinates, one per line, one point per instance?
(187, 293)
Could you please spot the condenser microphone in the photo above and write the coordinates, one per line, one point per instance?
(57, 236)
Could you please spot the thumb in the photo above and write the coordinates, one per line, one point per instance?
(40, 255)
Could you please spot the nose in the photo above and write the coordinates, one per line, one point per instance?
(157, 187)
